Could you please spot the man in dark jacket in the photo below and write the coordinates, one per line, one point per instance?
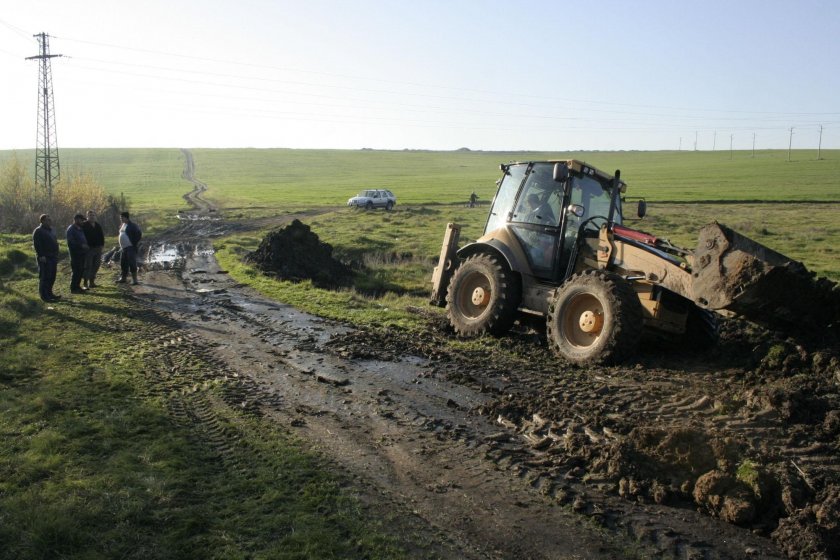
(129, 238)
(96, 241)
(78, 247)
(46, 250)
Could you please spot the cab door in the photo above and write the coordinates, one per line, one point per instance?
(535, 219)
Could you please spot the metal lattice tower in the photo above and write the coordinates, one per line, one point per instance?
(47, 168)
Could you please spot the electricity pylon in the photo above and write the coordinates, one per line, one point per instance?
(47, 168)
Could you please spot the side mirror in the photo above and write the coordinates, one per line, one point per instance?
(575, 210)
(561, 172)
(642, 209)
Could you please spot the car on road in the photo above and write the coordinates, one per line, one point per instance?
(373, 198)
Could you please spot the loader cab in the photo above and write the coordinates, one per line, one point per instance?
(545, 211)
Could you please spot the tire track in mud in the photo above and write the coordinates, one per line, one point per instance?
(679, 438)
(400, 425)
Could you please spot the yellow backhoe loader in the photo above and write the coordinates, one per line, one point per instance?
(554, 245)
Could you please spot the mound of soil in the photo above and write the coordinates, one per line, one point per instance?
(295, 253)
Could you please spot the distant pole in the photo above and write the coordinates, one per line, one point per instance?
(695, 140)
(680, 149)
(731, 136)
(714, 141)
(819, 146)
(790, 142)
(753, 154)
(47, 168)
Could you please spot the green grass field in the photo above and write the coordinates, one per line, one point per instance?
(766, 196)
(275, 179)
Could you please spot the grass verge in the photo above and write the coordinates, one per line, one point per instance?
(123, 439)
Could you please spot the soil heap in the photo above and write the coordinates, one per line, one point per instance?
(295, 253)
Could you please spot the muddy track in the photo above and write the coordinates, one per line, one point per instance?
(513, 455)
(435, 437)
(197, 203)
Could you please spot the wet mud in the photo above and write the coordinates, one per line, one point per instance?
(502, 451)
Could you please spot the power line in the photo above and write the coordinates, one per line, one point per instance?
(516, 95)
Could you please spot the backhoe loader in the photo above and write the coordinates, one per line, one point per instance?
(554, 245)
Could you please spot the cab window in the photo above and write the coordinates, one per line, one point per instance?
(595, 199)
(505, 196)
(541, 198)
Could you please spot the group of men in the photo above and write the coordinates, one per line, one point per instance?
(85, 242)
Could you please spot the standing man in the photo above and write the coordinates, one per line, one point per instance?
(96, 241)
(46, 250)
(130, 235)
(473, 198)
(78, 247)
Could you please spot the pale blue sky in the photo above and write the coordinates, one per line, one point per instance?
(489, 75)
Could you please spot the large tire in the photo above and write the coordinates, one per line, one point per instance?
(594, 318)
(369, 205)
(701, 329)
(483, 297)
(389, 206)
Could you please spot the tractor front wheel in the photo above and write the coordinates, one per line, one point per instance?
(483, 297)
(594, 318)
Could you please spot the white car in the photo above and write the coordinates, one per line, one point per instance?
(370, 199)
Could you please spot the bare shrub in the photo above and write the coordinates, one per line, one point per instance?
(22, 201)
(19, 198)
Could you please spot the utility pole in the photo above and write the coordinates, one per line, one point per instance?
(753, 154)
(731, 136)
(47, 168)
(695, 140)
(680, 144)
(790, 142)
(819, 147)
(714, 141)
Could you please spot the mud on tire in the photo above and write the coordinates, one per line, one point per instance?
(594, 318)
(483, 297)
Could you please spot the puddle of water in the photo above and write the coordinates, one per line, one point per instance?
(167, 255)
(197, 218)
(163, 255)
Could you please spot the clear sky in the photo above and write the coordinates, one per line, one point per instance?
(482, 74)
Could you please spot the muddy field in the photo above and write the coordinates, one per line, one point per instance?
(731, 453)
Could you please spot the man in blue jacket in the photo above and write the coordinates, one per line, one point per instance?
(78, 247)
(46, 250)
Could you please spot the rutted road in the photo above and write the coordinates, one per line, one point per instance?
(422, 441)
(410, 435)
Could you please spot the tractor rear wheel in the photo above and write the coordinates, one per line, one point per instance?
(594, 318)
(483, 297)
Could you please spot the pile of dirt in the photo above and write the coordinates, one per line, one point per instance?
(295, 253)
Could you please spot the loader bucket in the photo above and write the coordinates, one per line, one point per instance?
(734, 273)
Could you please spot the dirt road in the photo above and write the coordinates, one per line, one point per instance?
(489, 456)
